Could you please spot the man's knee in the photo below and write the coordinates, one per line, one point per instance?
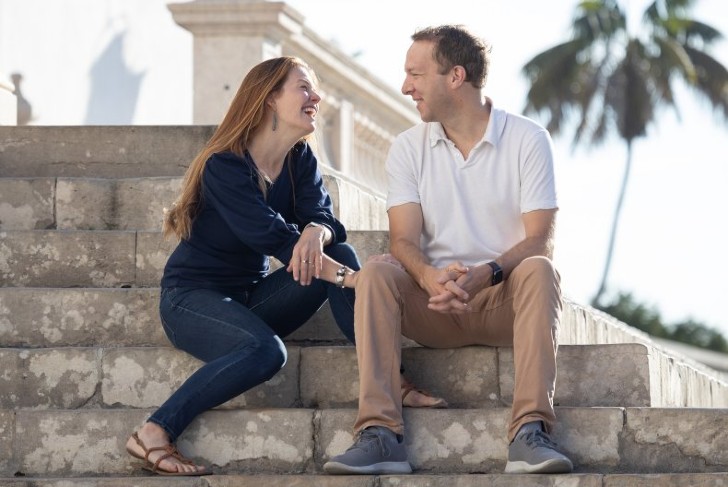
(380, 275)
(537, 267)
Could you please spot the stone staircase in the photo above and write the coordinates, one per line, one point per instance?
(84, 359)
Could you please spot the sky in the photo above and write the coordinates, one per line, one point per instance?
(670, 244)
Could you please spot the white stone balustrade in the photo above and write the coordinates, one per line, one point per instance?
(360, 115)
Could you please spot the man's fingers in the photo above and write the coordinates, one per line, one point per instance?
(457, 291)
(441, 298)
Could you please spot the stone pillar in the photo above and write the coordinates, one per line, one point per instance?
(230, 37)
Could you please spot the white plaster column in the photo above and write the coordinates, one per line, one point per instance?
(230, 37)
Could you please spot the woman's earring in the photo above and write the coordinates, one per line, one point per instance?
(275, 121)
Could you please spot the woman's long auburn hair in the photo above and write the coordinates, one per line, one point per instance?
(242, 120)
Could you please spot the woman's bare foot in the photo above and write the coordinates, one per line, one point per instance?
(151, 443)
(417, 398)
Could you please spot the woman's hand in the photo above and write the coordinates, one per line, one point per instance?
(307, 258)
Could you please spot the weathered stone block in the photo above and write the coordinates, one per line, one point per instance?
(590, 437)
(152, 252)
(123, 481)
(474, 440)
(292, 481)
(466, 377)
(66, 259)
(675, 440)
(667, 480)
(604, 375)
(55, 378)
(26, 203)
(7, 437)
(33, 317)
(321, 327)
(146, 377)
(104, 151)
(491, 480)
(74, 443)
(114, 204)
(91, 442)
(261, 441)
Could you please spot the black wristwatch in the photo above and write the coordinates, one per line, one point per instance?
(497, 273)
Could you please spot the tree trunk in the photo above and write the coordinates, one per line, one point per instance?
(615, 223)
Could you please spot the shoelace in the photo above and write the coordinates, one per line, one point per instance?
(366, 437)
(538, 438)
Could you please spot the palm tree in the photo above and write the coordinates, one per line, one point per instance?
(607, 79)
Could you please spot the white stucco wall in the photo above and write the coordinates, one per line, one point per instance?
(98, 61)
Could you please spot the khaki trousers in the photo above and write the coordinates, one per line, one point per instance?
(524, 312)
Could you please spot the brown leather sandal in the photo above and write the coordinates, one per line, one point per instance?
(169, 451)
(413, 397)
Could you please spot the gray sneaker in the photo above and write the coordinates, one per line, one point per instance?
(535, 452)
(377, 450)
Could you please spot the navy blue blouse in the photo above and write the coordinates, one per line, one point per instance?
(237, 228)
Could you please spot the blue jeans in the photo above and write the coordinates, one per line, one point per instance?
(238, 334)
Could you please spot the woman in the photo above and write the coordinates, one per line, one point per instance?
(254, 191)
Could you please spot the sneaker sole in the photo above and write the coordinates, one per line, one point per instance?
(554, 465)
(382, 468)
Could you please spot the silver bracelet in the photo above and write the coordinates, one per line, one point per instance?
(340, 275)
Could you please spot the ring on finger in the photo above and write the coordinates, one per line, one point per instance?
(305, 261)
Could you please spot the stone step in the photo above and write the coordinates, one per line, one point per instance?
(106, 317)
(138, 203)
(52, 443)
(95, 258)
(101, 151)
(38, 318)
(83, 316)
(321, 377)
(719, 479)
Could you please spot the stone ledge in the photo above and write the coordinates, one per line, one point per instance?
(414, 480)
(138, 204)
(272, 441)
(316, 377)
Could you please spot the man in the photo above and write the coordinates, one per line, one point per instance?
(471, 204)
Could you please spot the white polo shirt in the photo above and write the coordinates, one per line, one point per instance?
(472, 208)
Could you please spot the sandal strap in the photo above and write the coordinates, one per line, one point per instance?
(406, 389)
(170, 451)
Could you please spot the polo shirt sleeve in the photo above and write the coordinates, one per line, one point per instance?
(538, 184)
(230, 187)
(313, 202)
(402, 184)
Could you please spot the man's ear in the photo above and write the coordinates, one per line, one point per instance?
(458, 75)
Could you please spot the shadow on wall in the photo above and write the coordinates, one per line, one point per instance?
(114, 87)
(25, 111)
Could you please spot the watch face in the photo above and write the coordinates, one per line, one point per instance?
(497, 276)
(497, 273)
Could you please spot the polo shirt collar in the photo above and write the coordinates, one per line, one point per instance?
(492, 135)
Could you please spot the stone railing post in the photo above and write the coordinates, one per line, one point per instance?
(360, 114)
